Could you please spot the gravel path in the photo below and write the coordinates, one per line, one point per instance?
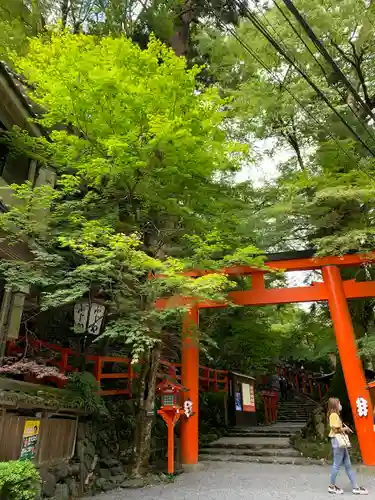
(245, 481)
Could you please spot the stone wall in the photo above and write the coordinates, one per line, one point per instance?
(316, 427)
(102, 455)
(93, 468)
(60, 481)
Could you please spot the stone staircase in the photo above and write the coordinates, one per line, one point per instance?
(267, 444)
(298, 410)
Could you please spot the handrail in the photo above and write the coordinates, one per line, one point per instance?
(304, 382)
(211, 380)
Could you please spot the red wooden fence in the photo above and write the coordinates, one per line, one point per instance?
(304, 382)
(271, 402)
(211, 380)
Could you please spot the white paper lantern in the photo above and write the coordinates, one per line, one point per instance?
(89, 316)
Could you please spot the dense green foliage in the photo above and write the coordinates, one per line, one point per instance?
(127, 189)
(84, 393)
(145, 169)
(323, 195)
(144, 187)
(324, 192)
(19, 480)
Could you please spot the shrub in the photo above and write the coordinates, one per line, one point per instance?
(19, 480)
(37, 368)
(323, 449)
(84, 393)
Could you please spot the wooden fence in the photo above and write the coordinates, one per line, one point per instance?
(56, 440)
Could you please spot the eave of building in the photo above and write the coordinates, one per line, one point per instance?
(24, 107)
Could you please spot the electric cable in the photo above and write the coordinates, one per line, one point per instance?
(282, 84)
(327, 56)
(258, 25)
(341, 94)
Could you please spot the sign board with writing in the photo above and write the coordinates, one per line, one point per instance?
(252, 398)
(248, 397)
(29, 439)
(241, 400)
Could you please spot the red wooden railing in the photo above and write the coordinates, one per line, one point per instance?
(211, 380)
(300, 381)
(304, 382)
(271, 402)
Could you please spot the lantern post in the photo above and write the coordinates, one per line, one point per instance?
(171, 411)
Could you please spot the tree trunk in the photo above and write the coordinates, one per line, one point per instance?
(180, 39)
(145, 417)
(64, 12)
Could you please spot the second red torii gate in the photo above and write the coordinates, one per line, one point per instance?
(333, 289)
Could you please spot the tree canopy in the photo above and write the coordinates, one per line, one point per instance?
(148, 147)
(322, 197)
(144, 149)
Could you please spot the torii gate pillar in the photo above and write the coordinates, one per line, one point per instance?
(190, 379)
(351, 364)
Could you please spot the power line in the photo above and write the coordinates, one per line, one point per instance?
(282, 84)
(341, 94)
(320, 46)
(277, 34)
(258, 25)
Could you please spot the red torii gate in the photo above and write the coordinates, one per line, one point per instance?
(333, 289)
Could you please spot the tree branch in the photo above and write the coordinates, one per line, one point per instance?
(358, 59)
(344, 55)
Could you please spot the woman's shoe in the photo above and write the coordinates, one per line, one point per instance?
(335, 490)
(360, 491)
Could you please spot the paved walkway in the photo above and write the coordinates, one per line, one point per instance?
(245, 482)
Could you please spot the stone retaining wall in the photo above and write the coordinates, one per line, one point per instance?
(87, 472)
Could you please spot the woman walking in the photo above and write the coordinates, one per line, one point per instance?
(338, 435)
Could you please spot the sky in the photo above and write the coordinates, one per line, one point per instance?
(265, 167)
(263, 170)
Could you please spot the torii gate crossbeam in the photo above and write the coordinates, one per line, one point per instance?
(333, 289)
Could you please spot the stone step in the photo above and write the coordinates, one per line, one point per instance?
(292, 410)
(292, 414)
(278, 428)
(251, 443)
(295, 418)
(278, 425)
(285, 429)
(300, 420)
(261, 452)
(260, 434)
(262, 460)
(292, 418)
(297, 403)
(297, 408)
